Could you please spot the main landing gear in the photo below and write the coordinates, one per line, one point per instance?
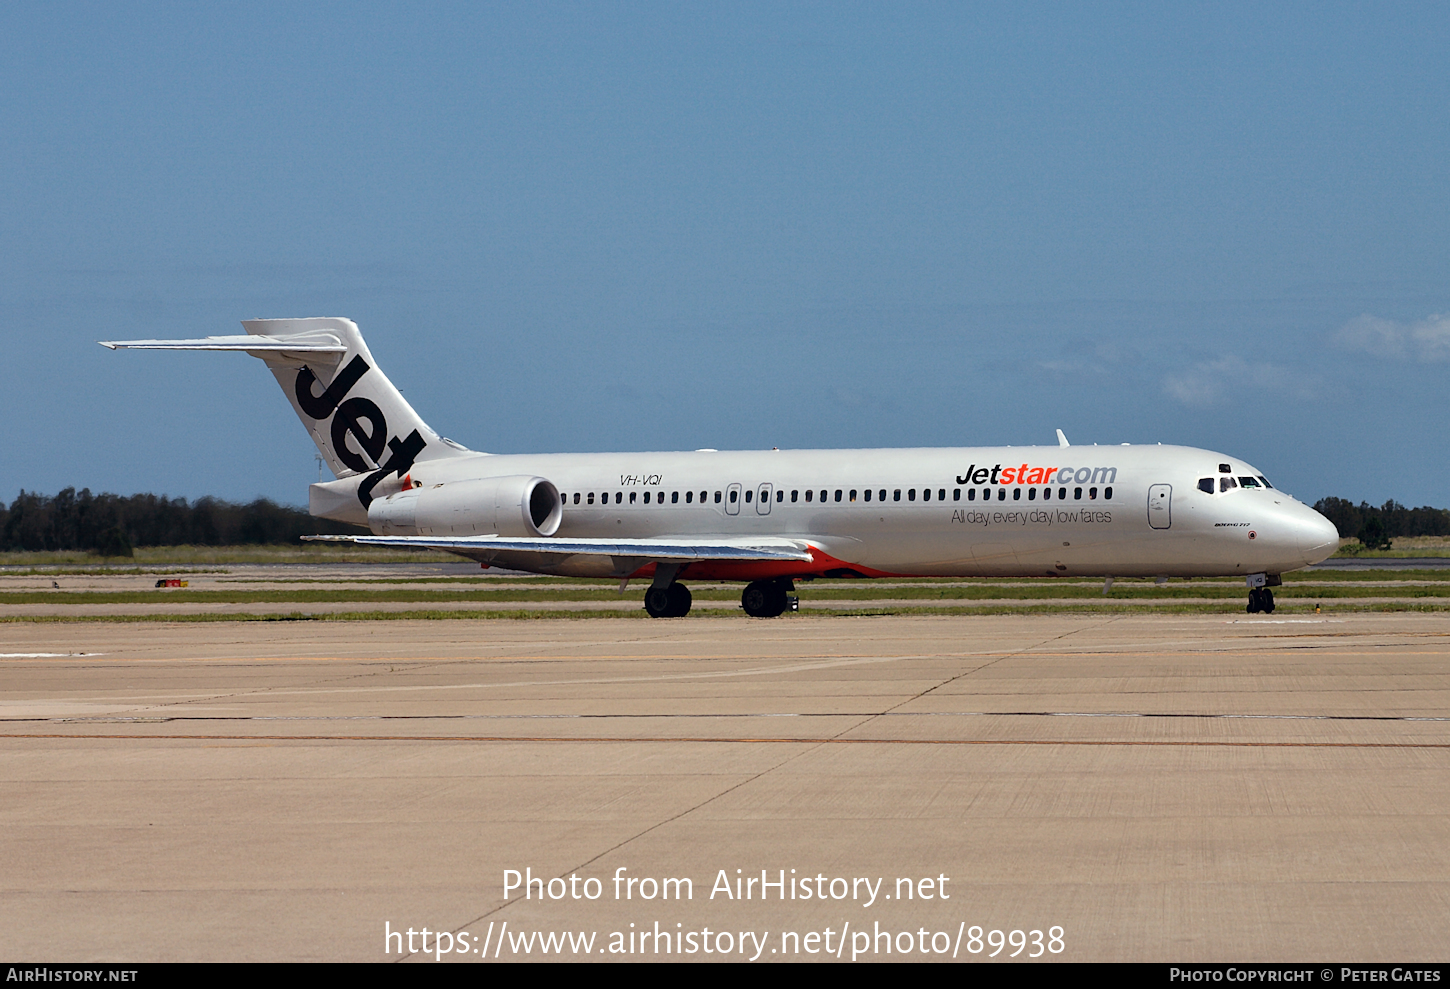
(668, 602)
(761, 599)
(767, 598)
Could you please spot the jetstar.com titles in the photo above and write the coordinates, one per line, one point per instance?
(1027, 474)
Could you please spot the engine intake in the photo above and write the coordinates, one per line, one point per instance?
(517, 505)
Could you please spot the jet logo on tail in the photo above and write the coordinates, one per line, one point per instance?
(348, 420)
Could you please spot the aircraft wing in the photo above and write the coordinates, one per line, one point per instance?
(626, 555)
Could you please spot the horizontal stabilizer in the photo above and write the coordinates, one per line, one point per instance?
(360, 422)
(248, 343)
(654, 550)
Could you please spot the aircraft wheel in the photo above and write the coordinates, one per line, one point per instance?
(756, 599)
(680, 600)
(778, 599)
(657, 602)
(1254, 606)
(765, 598)
(1267, 601)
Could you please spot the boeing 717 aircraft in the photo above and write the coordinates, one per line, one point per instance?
(771, 518)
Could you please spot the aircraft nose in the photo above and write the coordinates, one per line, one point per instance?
(1318, 538)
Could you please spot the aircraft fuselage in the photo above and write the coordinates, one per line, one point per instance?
(974, 511)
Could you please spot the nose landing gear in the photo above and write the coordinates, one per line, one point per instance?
(1261, 598)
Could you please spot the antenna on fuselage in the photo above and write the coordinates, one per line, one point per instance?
(1062, 439)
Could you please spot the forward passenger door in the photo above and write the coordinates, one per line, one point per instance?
(1160, 506)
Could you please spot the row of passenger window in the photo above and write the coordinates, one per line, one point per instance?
(851, 495)
(1205, 484)
(587, 498)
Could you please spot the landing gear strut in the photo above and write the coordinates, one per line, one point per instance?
(668, 602)
(766, 598)
(1260, 599)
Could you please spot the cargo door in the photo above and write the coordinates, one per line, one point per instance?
(998, 559)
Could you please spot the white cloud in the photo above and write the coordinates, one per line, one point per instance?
(1432, 337)
(1210, 382)
(1192, 389)
(1424, 340)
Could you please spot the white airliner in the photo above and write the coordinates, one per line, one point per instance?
(771, 518)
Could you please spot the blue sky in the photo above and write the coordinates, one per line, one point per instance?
(639, 227)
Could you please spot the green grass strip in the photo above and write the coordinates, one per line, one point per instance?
(856, 592)
(572, 615)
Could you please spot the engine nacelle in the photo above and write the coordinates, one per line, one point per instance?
(518, 505)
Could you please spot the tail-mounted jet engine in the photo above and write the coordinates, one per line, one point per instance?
(519, 506)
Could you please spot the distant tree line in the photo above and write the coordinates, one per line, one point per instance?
(1375, 527)
(110, 524)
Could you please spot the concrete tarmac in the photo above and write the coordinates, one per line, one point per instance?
(1148, 787)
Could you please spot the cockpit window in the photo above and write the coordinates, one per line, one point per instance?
(1248, 482)
(1224, 483)
(1266, 481)
(1205, 484)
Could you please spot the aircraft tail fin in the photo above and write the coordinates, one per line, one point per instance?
(360, 422)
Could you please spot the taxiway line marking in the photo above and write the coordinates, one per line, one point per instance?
(727, 740)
